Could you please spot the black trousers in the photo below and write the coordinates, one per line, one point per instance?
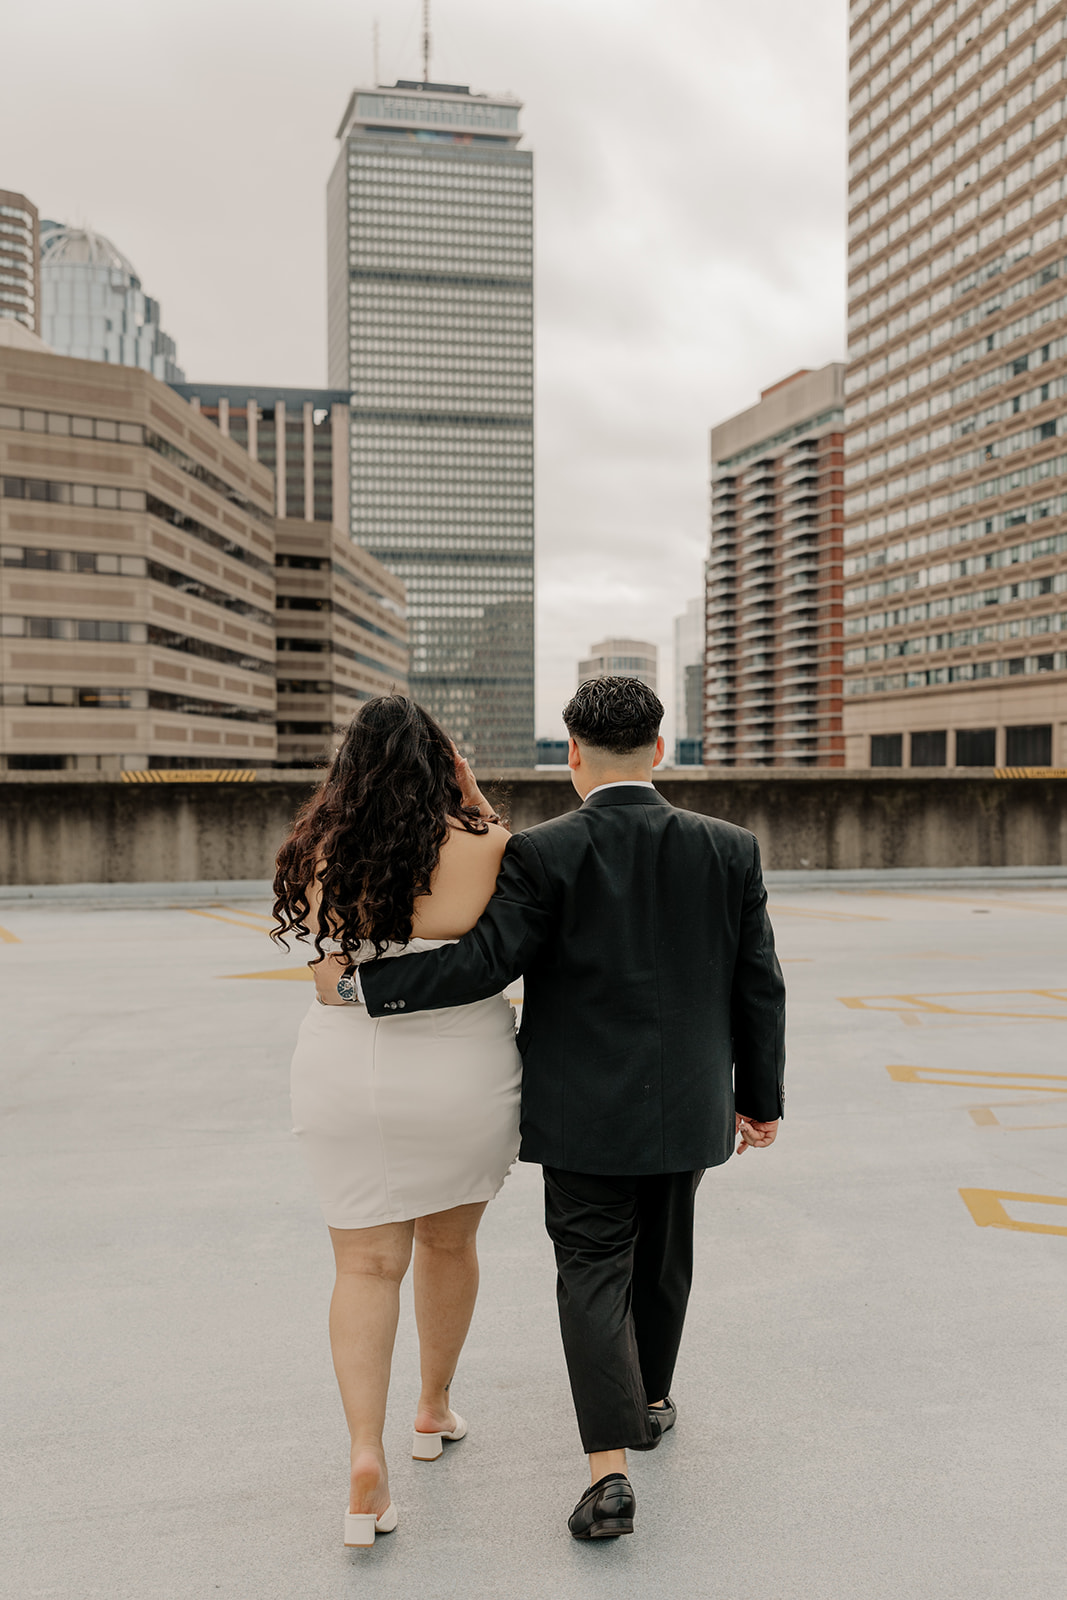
(624, 1258)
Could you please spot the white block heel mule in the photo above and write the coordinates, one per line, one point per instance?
(361, 1526)
(428, 1446)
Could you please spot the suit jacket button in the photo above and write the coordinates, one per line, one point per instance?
(400, 1005)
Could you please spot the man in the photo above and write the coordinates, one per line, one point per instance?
(652, 1036)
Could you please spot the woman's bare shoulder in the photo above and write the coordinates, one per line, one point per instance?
(491, 843)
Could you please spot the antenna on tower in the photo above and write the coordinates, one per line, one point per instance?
(425, 41)
(377, 69)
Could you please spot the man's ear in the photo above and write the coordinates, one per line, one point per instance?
(574, 755)
(661, 750)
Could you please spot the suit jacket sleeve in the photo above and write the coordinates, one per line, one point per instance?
(514, 926)
(757, 1007)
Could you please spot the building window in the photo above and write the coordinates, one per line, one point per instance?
(36, 763)
(887, 749)
(929, 749)
(976, 747)
(1029, 746)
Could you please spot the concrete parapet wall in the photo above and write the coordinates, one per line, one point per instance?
(75, 827)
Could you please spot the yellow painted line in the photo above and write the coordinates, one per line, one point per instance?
(973, 1078)
(7, 937)
(987, 1208)
(823, 916)
(285, 974)
(251, 926)
(920, 1005)
(241, 912)
(986, 1117)
(966, 900)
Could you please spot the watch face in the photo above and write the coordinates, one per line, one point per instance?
(346, 988)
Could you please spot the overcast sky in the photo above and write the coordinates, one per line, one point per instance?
(690, 225)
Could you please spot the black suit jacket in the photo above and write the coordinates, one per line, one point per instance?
(653, 996)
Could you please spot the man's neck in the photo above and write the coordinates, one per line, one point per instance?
(603, 782)
(603, 778)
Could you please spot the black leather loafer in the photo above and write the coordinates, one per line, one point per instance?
(666, 1414)
(657, 1432)
(605, 1510)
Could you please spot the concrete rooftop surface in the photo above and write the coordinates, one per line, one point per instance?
(872, 1389)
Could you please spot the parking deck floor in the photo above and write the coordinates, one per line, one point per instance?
(872, 1390)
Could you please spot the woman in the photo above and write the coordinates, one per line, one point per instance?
(410, 1123)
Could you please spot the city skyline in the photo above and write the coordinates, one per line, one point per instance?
(677, 268)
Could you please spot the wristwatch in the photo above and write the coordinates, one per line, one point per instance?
(346, 986)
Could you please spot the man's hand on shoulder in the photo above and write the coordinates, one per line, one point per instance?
(326, 974)
(755, 1134)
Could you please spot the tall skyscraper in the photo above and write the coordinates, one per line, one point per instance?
(20, 278)
(773, 665)
(340, 615)
(93, 305)
(956, 544)
(430, 294)
(621, 658)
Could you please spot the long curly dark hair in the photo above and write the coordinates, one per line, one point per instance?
(376, 824)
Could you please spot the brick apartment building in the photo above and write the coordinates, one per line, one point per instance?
(136, 576)
(956, 539)
(772, 690)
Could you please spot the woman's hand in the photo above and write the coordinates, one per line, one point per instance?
(468, 784)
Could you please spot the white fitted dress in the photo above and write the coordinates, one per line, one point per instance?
(404, 1116)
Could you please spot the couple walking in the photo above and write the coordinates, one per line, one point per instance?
(651, 1041)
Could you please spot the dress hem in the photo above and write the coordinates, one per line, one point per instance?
(411, 1216)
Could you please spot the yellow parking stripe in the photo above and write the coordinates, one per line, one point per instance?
(251, 926)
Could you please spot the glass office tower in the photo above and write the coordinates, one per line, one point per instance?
(93, 305)
(430, 288)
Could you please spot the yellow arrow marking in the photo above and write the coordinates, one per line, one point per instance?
(914, 1006)
(972, 1078)
(987, 1209)
(7, 937)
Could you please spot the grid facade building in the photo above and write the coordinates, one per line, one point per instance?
(20, 270)
(772, 670)
(342, 634)
(136, 576)
(430, 300)
(956, 414)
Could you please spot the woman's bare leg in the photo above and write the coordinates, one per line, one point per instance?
(446, 1287)
(371, 1263)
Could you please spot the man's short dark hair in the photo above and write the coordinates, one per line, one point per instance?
(619, 715)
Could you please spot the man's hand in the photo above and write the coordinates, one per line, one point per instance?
(326, 974)
(756, 1134)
